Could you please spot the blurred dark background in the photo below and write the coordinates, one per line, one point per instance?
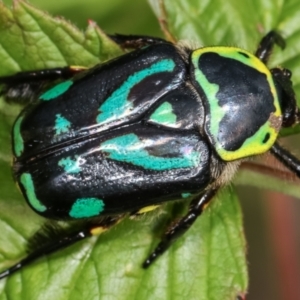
(271, 220)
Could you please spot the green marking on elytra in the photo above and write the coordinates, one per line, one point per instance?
(70, 165)
(56, 91)
(117, 105)
(130, 149)
(164, 115)
(62, 125)
(17, 137)
(186, 195)
(27, 182)
(86, 208)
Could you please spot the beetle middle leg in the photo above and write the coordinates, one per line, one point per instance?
(24, 86)
(196, 208)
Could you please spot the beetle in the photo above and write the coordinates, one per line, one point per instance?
(160, 123)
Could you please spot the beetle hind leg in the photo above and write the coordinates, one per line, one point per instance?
(196, 208)
(52, 238)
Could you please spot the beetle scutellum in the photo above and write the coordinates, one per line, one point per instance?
(159, 123)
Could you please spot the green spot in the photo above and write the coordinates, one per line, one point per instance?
(62, 125)
(186, 195)
(18, 139)
(57, 90)
(26, 181)
(86, 208)
(70, 165)
(164, 115)
(130, 149)
(117, 105)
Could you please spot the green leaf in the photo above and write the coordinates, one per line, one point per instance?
(40, 41)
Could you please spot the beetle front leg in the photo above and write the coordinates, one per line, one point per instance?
(289, 107)
(267, 44)
(286, 158)
(196, 208)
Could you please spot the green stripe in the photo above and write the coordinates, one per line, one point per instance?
(117, 105)
(56, 91)
(18, 139)
(130, 149)
(27, 182)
